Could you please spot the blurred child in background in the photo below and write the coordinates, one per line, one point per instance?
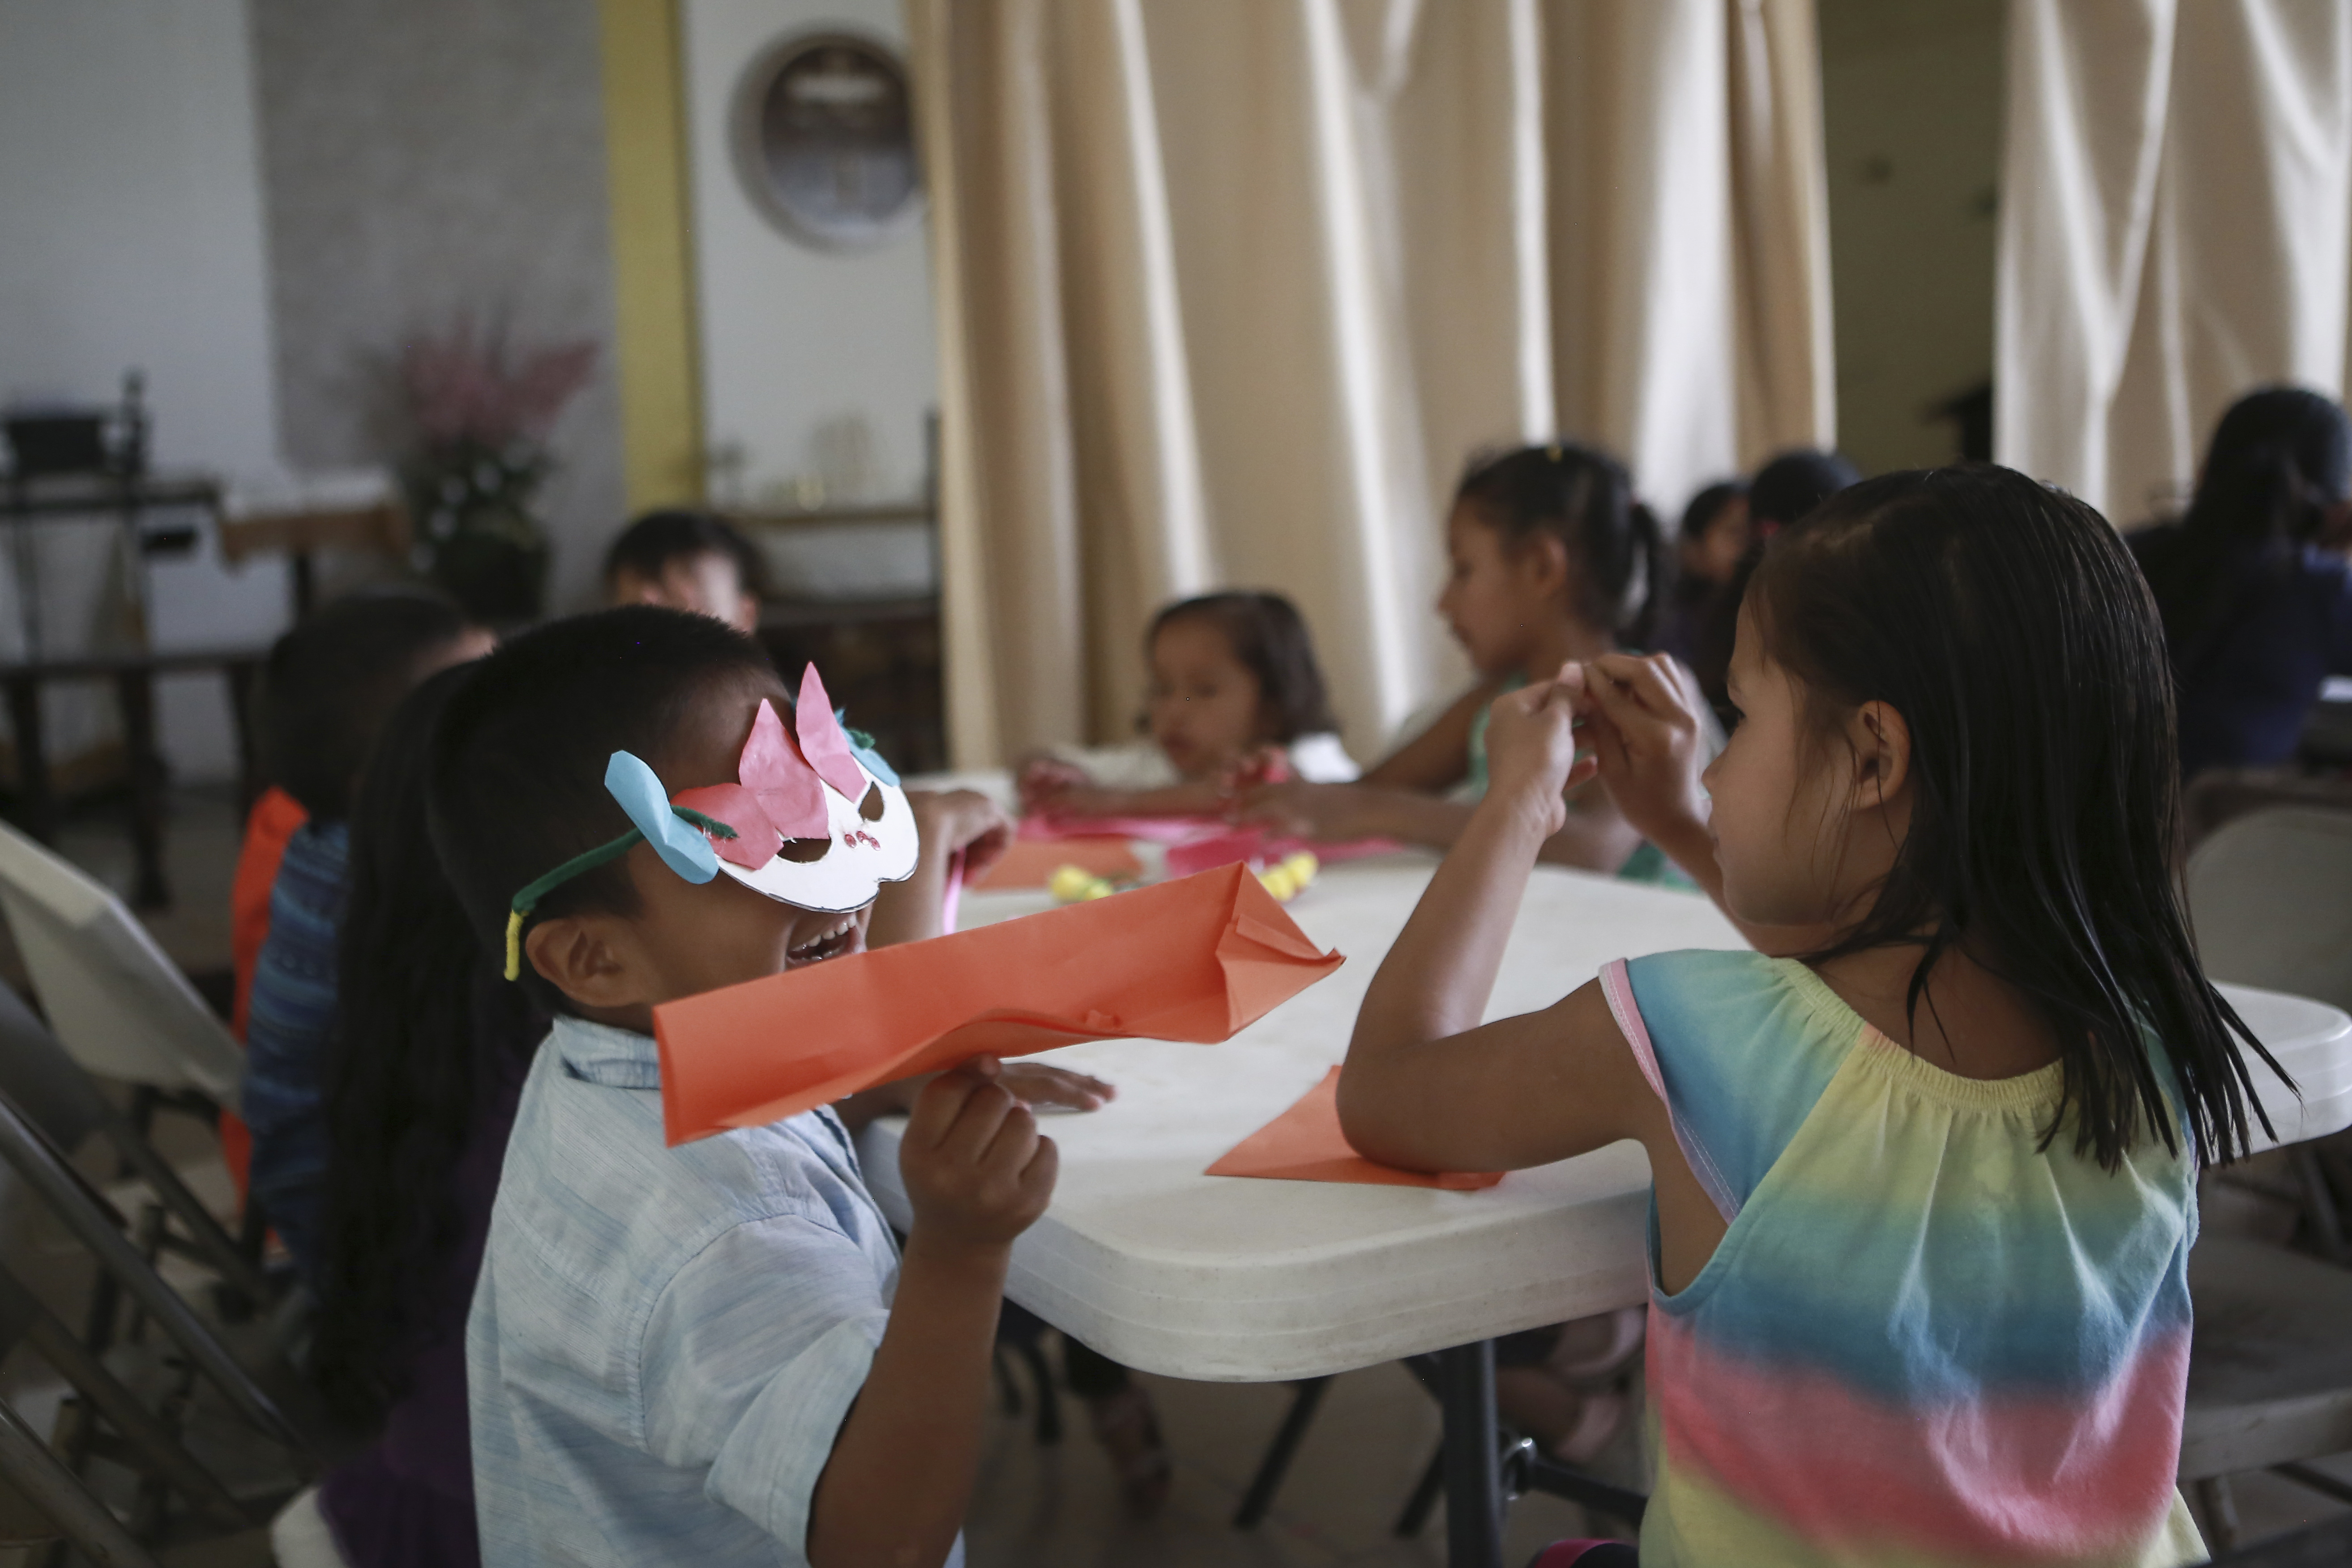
(1784, 489)
(687, 560)
(1707, 549)
(2253, 581)
(1553, 558)
(327, 689)
(1236, 698)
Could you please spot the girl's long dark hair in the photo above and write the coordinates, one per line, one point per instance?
(1584, 498)
(421, 1022)
(2007, 623)
(2280, 457)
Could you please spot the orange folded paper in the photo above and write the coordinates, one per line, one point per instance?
(1196, 960)
(1304, 1144)
(1032, 862)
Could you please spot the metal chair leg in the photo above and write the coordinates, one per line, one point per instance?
(2319, 1481)
(1049, 1404)
(1423, 1500)
(2321, 1214)
(57, 1492)
(1305, 1397)
(2220, 1511)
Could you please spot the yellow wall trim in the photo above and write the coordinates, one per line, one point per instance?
(653, 253)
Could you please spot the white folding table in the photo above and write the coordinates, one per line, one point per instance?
(1146, 1259)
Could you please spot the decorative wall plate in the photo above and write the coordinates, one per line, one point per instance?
(823, 136)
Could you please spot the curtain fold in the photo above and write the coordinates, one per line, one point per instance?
(2176, 229)
(1229, 289)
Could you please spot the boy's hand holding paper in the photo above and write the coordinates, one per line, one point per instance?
(1197, 960)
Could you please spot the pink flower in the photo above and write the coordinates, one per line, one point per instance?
(465, 385)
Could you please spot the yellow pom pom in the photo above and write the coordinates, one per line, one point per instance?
(1100, 888)
(1302, 865)
(1069, 884)
(1280, 883)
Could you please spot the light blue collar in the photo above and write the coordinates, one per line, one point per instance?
(600, 1054)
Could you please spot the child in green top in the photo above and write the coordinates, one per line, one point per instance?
(1553, 559)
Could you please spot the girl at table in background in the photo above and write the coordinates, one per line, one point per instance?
(1235, 697)
(1553, 558)
(1925, 1162)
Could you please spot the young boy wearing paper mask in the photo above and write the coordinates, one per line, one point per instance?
(714, 1354)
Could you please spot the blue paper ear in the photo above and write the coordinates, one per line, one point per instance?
(861, 746)
(682, 847)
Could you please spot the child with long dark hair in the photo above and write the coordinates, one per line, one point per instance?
(2253, 581)
(327, 690)
(1553, 557)
(1926, 1160)
(428, 1055)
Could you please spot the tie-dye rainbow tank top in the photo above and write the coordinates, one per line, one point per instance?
(1925, 1340)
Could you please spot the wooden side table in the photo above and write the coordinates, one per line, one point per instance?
(382, 529)
(132, 675)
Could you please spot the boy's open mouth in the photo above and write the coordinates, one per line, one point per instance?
(830, 943)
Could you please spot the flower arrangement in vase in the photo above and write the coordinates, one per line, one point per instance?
(479, 410)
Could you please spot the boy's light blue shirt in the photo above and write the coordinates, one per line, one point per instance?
(663, 1342)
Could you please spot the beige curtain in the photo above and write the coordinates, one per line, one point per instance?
(1229, 289)
(2175, 229)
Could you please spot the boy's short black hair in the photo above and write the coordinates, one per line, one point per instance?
(516, 785)
(650, 545)
(331, 682)
(1269, 639)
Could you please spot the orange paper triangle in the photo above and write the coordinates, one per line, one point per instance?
(1196, 959)
(1304, 1144)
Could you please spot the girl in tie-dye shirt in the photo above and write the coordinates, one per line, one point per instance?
(1925, 1160)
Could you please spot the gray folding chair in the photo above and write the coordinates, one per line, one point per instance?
(2270, 1376)
(2270, 1372)
(2268, 895)
(119, 1007)
(108, 1422)
(68, 1108)
(43, 1501)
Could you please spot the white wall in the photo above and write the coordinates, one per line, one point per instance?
(132, 236)
(794, 337)
(1911, 100)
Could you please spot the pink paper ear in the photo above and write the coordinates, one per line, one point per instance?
(756, 839)
(822, 742)
(787, 790)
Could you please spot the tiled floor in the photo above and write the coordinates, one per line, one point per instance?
(1059, 1507)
